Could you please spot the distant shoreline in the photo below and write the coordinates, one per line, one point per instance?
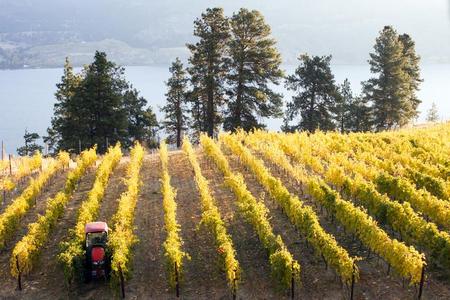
(167, 64)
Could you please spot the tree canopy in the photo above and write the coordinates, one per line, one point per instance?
(315, 94)
(254, 64)
(392, 93)
(98, 107)
(175, 110)
(208, 69)
(30, 146)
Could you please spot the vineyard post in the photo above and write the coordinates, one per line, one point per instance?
(3, 151)
(234, 286)
(177, 283)
(422, 279)
(292, 281)
(353, 282)
(325, 262)
(19, 277)
(122, 283)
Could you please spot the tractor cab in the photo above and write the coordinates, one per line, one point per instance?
(97, 260)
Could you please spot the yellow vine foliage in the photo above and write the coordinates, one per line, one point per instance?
(406, 261)
(284, 266)
(72, 250)
(173, 243)
(122, 237)
(27, 250)
(212, 218)
(400, 216)
(399, 181)
(302, 217)
(11, 216)
(26, 166)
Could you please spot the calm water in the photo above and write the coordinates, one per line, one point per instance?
(26, 96)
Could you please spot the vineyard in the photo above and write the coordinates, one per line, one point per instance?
(256, 215)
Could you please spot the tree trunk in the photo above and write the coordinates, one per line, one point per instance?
(311, 112)
(238, 109)
(210, 111)
(179, 122)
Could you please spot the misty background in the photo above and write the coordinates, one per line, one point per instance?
(140, 32)
(146, 36)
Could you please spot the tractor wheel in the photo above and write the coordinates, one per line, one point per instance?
(87, 272)
(87, 275)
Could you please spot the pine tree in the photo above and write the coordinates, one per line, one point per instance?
(175, 122)
(30, 146)
(412, 70)
(208, 68)
(342, 107)
(433, 115)
(64, 121)
(316, 94)
(393, 91)
(360, 115)
(142, 123)
(98, 107)
(197, 113)
(101, 98)
(254, 64)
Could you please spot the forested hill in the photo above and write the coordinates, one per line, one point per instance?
(137, 32)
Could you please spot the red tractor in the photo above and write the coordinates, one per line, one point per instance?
(97, 257)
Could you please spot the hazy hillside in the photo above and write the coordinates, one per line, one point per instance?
(41, 33)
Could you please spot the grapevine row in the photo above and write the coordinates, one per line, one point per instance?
(398, 164)
(173, 243)
(400, 216)
(27, 165)
(26, 251)
(303, 217)
(10, 218)
(422, 174)
(407, 262)
(398, 188)
(72, 251)
(122, 237)
(211, 217)
(284, 266)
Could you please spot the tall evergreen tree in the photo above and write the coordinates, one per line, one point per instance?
(142, 123)
(433, 115)
(64, 118)
(197, 113)
(360, 115)
(100, 101)
(254, 64)
(98, 107)
(208, 68)
(393, 91)
(316, 94)
(412, 70)
(342, 107)
(175, 122)
(30, 146)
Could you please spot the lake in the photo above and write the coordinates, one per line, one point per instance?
(26, 96)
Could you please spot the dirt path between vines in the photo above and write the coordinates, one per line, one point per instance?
(35, 285)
